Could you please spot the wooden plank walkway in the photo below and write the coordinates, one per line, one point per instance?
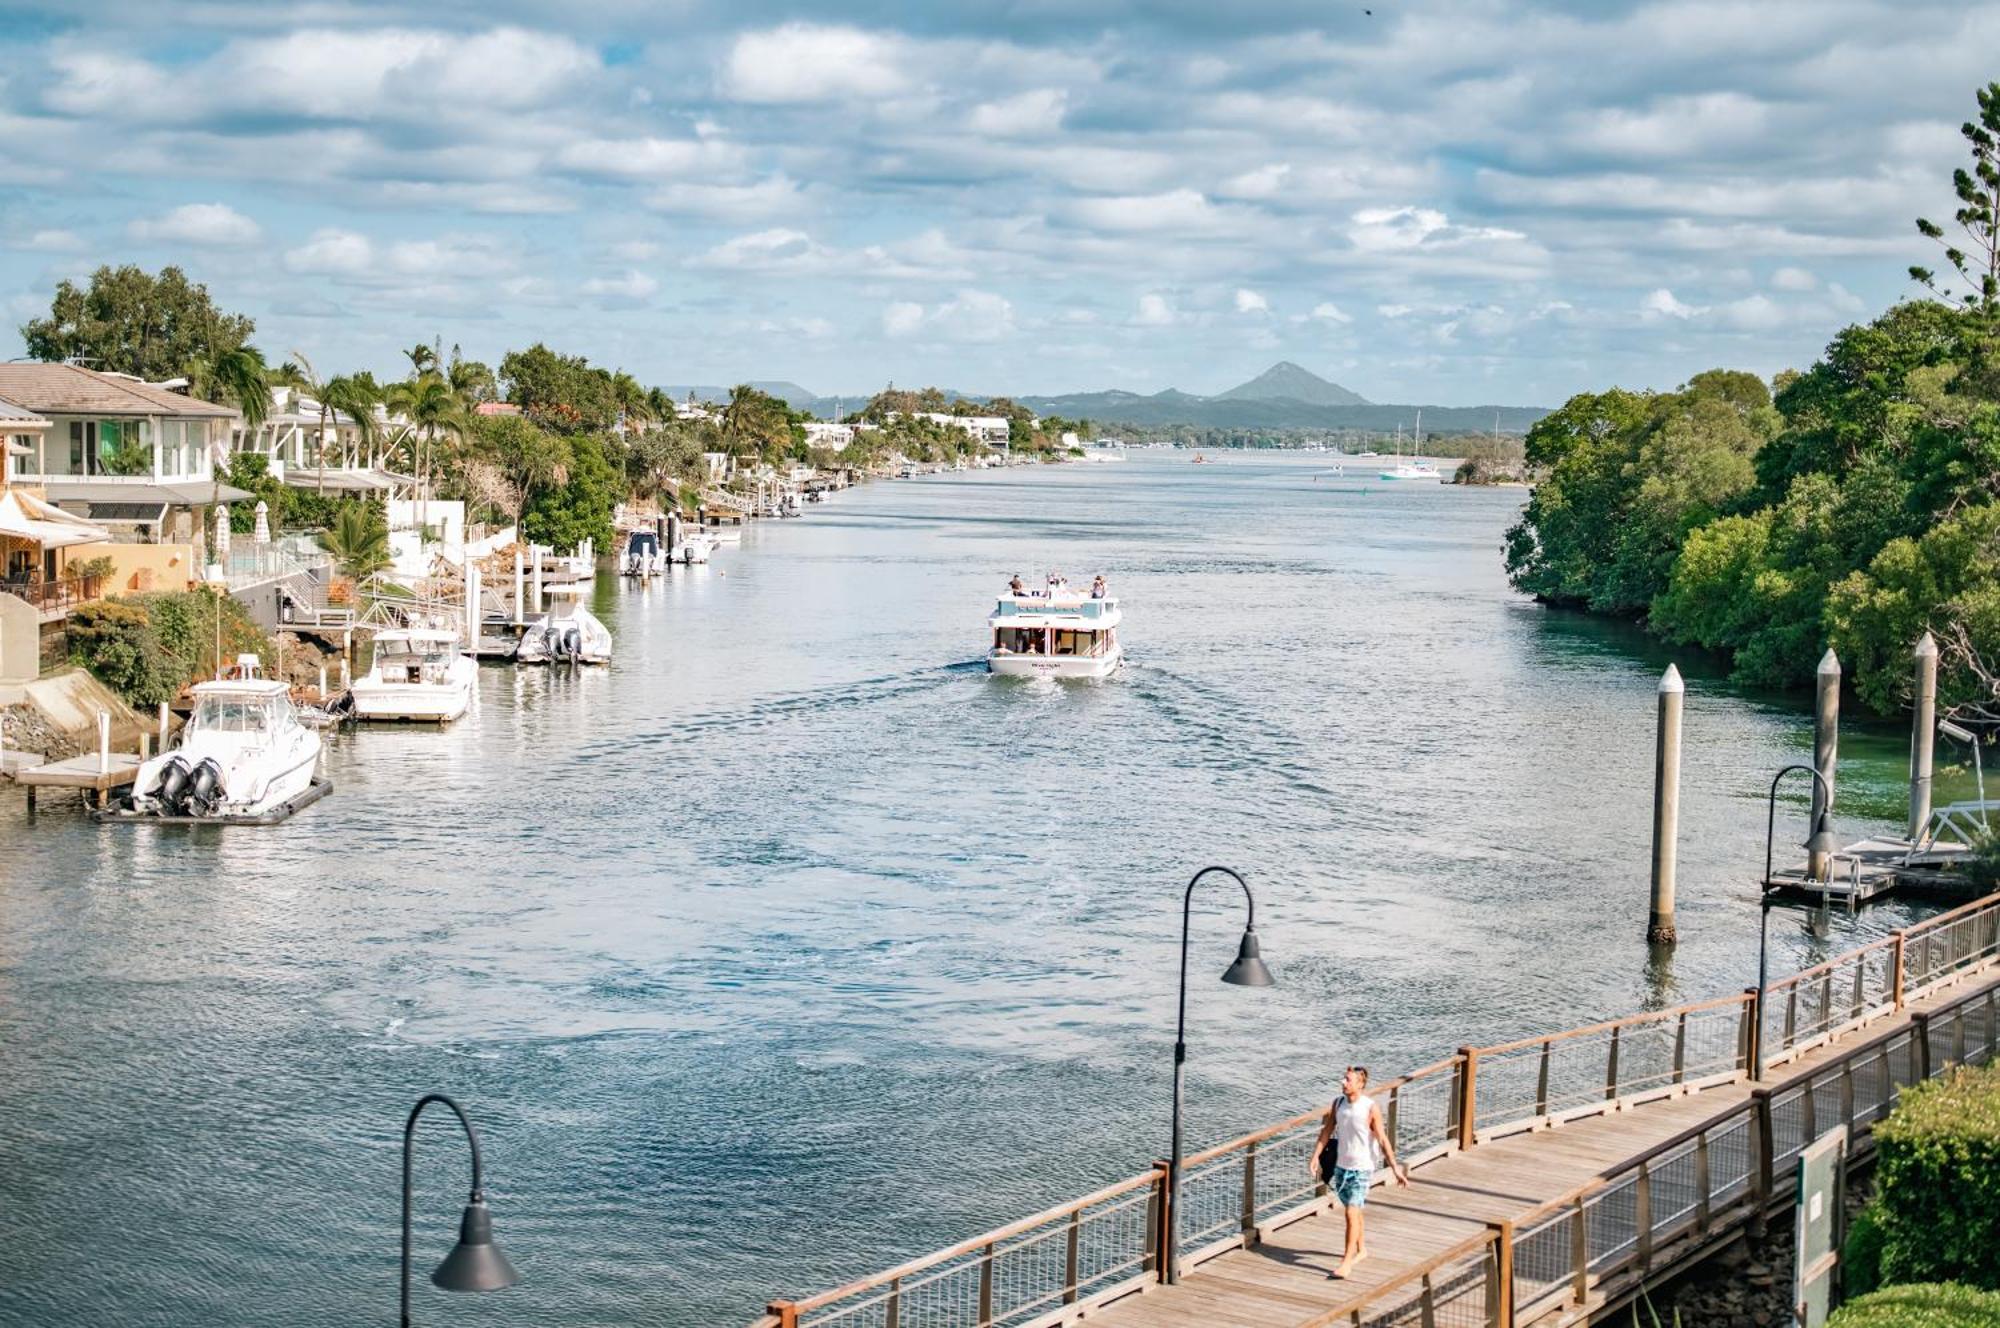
(1285, 1280)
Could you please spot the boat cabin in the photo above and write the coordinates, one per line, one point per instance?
(1054, 626)
(415, 656)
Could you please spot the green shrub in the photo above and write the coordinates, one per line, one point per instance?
(147, 647)
(1938, 1181)
(1926, 1305)
(1861, 1254)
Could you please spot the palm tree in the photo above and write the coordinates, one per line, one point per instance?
(353, 395)
(633, 403)
(433, 408)
(358, 541)
(422, 359)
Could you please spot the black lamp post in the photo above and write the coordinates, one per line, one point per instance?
(1247, 971)
(475, 1263)
(1822, 840)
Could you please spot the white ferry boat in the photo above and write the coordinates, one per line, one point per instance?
(243, 753)
(418, 674)
(1055, 633)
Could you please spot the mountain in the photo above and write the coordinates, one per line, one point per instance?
(1172, 407)
(790, 393)
(1285, 381)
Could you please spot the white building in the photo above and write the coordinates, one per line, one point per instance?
(986, 428)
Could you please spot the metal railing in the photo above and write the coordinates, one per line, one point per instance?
(1047, 1269)
(60, 593)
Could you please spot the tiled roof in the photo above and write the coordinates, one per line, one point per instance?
(69, 389)
(20, 417)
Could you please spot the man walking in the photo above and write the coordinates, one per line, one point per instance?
(1359, 1145)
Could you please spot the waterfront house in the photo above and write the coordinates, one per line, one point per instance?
(822, 433)
(121, 453)
(989, 429)
(346, 462)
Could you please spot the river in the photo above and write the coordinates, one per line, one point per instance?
(792, 944)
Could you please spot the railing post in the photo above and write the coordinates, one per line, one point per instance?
(1680, 1047)
(1579, 1253)
(986, 1285)
(1157, 1204)
(1761, 1161)
(1500, 1277)
(1542, 1080)
(1920, 1023)
(1703, 1182)
(1826, 1001)
(1249, 1216)
(1860, 990)
(786, 1312)
(1072, 1256)
(892, 1310)
(1847, 1094)
(1642, 1215)
(1611, 1066)
(1752, 1040)
(1395, 1101)
(1791, 1017)
(1468, 1096)
(1427, 1304)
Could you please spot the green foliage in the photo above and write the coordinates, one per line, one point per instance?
(755, 423)
(527, 458)
(1628, 476)
(1929, 1305)
(358, 539)
(288, 508)
(580, 506)
(93, 567)
(1978, 214)
(1938, 1181)
(1861, 1253)
(560, 392)
(129, 321)
(148, 647)
(1946, 581)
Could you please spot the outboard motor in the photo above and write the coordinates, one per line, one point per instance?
(172, 789)
(572, 644)
(204, 789)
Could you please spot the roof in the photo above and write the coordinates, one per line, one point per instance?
(25, 517)
(14, 416)
(100, 494)
(71, 389)
(496, 408)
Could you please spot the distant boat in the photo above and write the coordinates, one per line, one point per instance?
(568, 633)
(1417, 467)
(418, 674)
(1059, 633)
(1200, 460)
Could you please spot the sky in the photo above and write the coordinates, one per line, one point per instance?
(1471, 203)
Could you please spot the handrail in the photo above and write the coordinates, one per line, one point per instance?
(1838, 962)
(1193, 1160)
(1644, 1017)
(1470, 1245)
(992, 1237)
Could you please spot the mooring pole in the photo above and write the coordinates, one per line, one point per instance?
(473, 616)
(1826, 744)
(1666, 807)
(1923, 735)
(518, 583)
(535, 556)
(163, 726)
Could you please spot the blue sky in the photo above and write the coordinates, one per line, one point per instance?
(1455, 203)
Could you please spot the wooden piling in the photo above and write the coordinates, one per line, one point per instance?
(1923, 734)
(104, 742)
(163, 726)
(535, 558)
(1826, 745)
(518, 583)
(1666, 807)
(473, 616)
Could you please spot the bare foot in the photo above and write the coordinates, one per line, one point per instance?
(1341, 1269)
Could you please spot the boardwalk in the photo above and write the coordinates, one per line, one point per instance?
(1553, 1175)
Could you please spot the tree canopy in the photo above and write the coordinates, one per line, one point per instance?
(130, 321)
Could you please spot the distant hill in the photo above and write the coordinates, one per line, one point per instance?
(1285, 381)
(790, 393)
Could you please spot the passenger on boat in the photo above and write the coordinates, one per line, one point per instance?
(1017, 587)
(1097, 588)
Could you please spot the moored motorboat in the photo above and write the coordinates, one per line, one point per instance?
(643, 556)
(243, 753)
(567, 634)
(418, 674)
(1055, 633)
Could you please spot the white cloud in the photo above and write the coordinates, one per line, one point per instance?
(902, 318)
(1379, 230)
(349, 254)
(1752, 313)
(332, 252)
(811, 62)
(1027, 114)
(51, 242)
(1175, 210)
(1155, 311)
(635, 251)
(1662, 303)
(772, 197)
(643, 158)
(1794, 279)
(779, 249)
(969, 316)
(211, 224)
(630, 287)
(1250, 302)
(1329, 312)
(1264, 182)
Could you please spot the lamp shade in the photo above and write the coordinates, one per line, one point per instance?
(1822, 839)
(475, 1263)
(1249, 970)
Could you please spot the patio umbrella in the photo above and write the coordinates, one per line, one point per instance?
(222, 533)
(263, 532)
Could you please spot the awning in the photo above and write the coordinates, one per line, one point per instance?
(193, 494)
(26, 518)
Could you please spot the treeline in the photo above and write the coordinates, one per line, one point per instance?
(901, 431)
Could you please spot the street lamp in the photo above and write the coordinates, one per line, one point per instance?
(475, 1263)
(1247, 971)
(1821, 841)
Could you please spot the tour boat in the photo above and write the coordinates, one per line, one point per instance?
(567, 633)
(243, 752)
(1057, 633)
(418, 674)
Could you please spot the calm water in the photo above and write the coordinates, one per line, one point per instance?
(792, 944)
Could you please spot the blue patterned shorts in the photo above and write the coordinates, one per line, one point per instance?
(1351, 1186)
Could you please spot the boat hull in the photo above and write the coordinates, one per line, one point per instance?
(430, 703)
(1057, 666)
(243, 794)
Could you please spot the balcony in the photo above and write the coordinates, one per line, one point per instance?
(54, 599)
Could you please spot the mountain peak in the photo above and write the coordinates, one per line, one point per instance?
(1287, 381)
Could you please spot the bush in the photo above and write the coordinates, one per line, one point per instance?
(147, 647)
(1861, 1254)
(1938, 1181)
(1927, 1305)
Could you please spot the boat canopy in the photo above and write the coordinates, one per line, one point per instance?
(1067, 607)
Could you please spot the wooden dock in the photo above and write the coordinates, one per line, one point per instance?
(95, 776)
(1868, 869)
(1554, 1177)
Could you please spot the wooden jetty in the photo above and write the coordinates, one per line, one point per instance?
(1554, 1177)
(96, 775)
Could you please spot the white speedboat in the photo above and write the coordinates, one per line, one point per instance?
(693, 549)
(1056, 633)
(642, 555)
(243, 753)
(418, 674)
(567, 634)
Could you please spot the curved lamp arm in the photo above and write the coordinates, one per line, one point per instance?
(409, 1139)
(1187, 914)
(1771, 826)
